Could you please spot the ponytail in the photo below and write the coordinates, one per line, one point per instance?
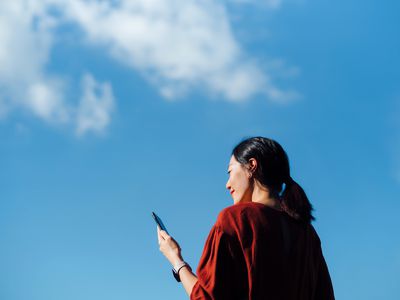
(295, 202)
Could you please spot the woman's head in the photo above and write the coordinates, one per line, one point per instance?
(264, 160)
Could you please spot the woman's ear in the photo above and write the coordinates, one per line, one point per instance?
(252, 165)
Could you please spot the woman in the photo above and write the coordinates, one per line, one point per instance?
(263, 246)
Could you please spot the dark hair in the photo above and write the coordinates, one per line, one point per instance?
(273, 171)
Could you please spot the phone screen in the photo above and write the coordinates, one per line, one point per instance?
(159, 222)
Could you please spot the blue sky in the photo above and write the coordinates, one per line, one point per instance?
(110, 110)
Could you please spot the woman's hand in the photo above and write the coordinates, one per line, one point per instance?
(169, 247)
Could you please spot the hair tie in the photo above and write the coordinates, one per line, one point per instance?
(287, 182)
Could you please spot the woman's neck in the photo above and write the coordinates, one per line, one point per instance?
(262, 195)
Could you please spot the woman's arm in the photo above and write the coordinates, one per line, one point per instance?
(188, 279)
(171, 250)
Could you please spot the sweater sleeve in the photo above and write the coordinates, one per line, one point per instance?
(216, 268)
(324, 289)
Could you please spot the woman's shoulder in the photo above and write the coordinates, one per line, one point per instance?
(243, 208)
(234, 210)
(230, 217)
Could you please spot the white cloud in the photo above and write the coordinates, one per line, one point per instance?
(95, 106)
(24, 48)
(26, 40)
(269, 3)
(45, 99)
(178, 45)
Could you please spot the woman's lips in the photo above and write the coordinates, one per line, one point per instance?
(232, 192)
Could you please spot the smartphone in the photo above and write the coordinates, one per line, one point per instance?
(159, 222)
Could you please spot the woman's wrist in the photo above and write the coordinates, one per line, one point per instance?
(181, 265)
(187, 266)
(175, 259)
(177, 269)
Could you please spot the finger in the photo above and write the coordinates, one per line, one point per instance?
(159, 237)
(163, 234)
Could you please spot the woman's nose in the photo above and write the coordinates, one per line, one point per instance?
(228, 185)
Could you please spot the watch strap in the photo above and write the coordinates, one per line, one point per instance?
(176, 268)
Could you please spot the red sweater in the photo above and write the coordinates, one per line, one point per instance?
(255, 252)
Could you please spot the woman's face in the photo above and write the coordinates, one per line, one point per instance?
(238, 183)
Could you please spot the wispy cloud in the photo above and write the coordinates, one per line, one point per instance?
(25, 42)
(178, 45)
(95, 106)
(275, 4)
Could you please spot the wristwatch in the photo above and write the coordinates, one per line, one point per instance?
(177, 267)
